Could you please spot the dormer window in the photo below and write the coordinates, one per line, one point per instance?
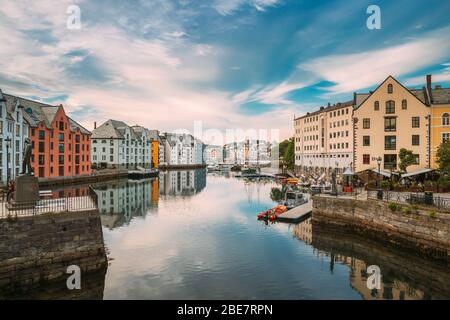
(390, 88)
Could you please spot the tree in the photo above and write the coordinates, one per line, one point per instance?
(443, 157)
(406, 159)
(287, 151)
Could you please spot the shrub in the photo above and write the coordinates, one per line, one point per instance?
(415, 208)
(433, 214)
(385, 184)
(407, 210)
(393, 206)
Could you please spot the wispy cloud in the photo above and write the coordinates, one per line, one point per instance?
(354, 71)
(226, 7)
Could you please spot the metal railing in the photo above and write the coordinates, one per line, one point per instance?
(43, 206)
(419, 198)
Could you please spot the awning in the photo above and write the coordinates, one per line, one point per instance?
(348, 172)
(416, 173)
(384, 172)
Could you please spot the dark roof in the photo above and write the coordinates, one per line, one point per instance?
(441, 95)
(329, 108)
(36, 112)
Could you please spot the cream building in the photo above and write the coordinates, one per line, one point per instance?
(388, 119)
(324, 140)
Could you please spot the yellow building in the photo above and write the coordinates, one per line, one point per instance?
(388, 119)
(155, 153)
(439, 99)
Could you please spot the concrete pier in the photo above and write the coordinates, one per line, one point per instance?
(297, 214)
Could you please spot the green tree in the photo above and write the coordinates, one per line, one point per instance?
(406, 159)
(287, 151)
(443, 158)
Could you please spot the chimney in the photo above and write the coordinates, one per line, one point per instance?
(95, 125)
(329, 104)
(429, 88)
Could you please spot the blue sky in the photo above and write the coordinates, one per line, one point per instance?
(229, 63)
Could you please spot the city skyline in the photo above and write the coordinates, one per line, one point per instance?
(176, 62)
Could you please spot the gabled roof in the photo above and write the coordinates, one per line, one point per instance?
(109, 130)
(35, 112)
(418, 93)
(75, 125)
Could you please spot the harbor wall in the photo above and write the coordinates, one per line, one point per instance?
(417, 229)
(36, 250)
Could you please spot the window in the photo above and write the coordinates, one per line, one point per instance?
(366, 123)
(41, 147)
(366, 141)
(404, 104)
(41, 134)
(61, 137)
(390, 161)
(61, 159)
(61, 148)
(376, 106)
(390, 124)
(390, 107)
(415, 122)
(366, 158)
(390, 142)
(415, 140)
(390, 88)
(445, 119)
(61, 126)
(41, 160)
(445, 137)
(416, 159)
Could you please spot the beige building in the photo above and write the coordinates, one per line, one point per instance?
(324, 140)
(388, 119)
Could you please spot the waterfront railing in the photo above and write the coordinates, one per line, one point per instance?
(417, 198)
(47, 206)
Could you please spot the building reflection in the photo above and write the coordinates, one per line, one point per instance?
(303, 231)
(121, 200)
(182, 182)
(405, 276)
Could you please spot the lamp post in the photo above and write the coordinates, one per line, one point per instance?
(379, 171)
(8, 142)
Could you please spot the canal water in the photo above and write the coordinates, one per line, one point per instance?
(193, 235)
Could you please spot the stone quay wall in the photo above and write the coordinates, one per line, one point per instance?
(36, 250)
(418, 229)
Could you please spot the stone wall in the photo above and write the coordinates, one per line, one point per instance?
(36, 250)
(416, 230)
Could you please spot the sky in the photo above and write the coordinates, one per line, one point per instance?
(231, 64)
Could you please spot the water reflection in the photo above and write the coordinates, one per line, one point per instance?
(405, 276)
(182, 182)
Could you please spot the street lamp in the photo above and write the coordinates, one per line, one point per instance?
(379, 171)
(8, 143)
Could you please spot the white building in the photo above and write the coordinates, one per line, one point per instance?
(116, 145)
(248, 152)
(13, 132)
(213, 154)
(182, 149)
(324, 140)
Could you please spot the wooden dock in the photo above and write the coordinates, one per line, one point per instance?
(297, 214)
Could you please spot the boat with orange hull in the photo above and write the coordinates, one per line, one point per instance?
(272, 214)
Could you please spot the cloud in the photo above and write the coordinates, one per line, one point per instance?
(355, 71)
(228, 7)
